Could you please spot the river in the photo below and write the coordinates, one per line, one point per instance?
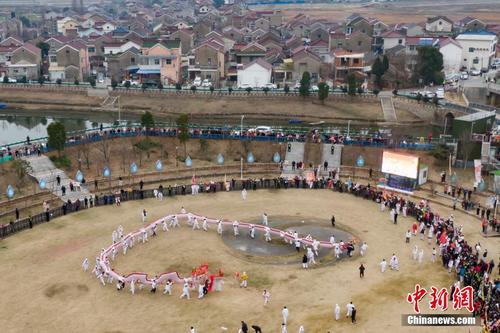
(16, 125)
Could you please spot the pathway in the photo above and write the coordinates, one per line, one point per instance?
(388, 107)
(43, 168)
(294, 152)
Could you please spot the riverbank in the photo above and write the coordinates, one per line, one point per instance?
(337, 109)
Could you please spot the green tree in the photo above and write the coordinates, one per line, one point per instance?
(418, 97)
(59, 82)
(92, 82)
(144, 86)
(23, 80)
(114, 84)
(160, 86)
(265, 90)
(305, 84)
(385, 63)
(127, 84)
(147, 120)
(429, 66)
(351, 84)
(76, 82)
(230, 90)
(26, 21)
(193, 89)
(183, 131)
(57, 136)
(248, 90)
(44, 47)
(323, 91)
(178, 87)
(5, 79)
(212, 88)
(378, 70)
(376, 92)
(41, 80)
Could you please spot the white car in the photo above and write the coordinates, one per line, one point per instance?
(197, 81)
(296, 86)
(475, 72)
(314, 88)
(245, 86)
(428, 94)
(261, 130)
(206, 83)
(270, 86)
(464, 76)
(440, 93)
(132, 83)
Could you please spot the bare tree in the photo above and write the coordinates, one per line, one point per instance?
(104, 148)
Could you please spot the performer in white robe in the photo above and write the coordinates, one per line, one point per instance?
(363, 248)
(164, 225)
(85, 264)
(383, 265)
(415, 253)
(244, 194)
(185, 291)
(421, 256)
(168, 287)
(337, 312)
(264, 219)
(267, 234)
(205, 224)
(132, 287)
(219, 227)
(267, 296)
(235, 228)
(252, 231)
(196, 225)
(394, 263)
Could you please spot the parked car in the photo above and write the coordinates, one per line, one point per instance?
(197, 81)
(270, 86)
(132, 83)
(464, 76)
(314, 88)
(245, 86)
(428, 94)
(440, 93)
(296, 86)
(475, 72)
(206, 83)
(261, 130)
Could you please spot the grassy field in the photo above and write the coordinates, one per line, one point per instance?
(45, 289)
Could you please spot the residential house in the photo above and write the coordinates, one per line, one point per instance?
(160, 62)
(271, 40)
(245, 54)
(117, 64)
(452, 56)
(25, 62)
(358, 42)
(345, 63)
(208, 62)
(393, 38)
(70, 27)
(414, 30)
(186, 36)
(319, 34)
(119, 47)
(439, 24)
(233, 33)
(478, 49)
(357, 23)
(306, 61)
(470, 23)
(256, 73)
(322, 49)
(71, 62)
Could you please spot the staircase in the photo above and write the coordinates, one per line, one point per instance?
(43, 168)
(388, 108)
(294, 152)
(332, 156)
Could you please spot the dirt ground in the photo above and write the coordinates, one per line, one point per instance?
(48, 292)
(397, 12)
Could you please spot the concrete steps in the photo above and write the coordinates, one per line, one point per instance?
(43, 168)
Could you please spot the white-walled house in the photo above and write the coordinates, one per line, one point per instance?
(439, 24)
(116, 48)
(478, 49)
(256, 73)
(393, 38)
(452, 56)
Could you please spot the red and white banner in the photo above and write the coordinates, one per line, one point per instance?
(477, 171)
